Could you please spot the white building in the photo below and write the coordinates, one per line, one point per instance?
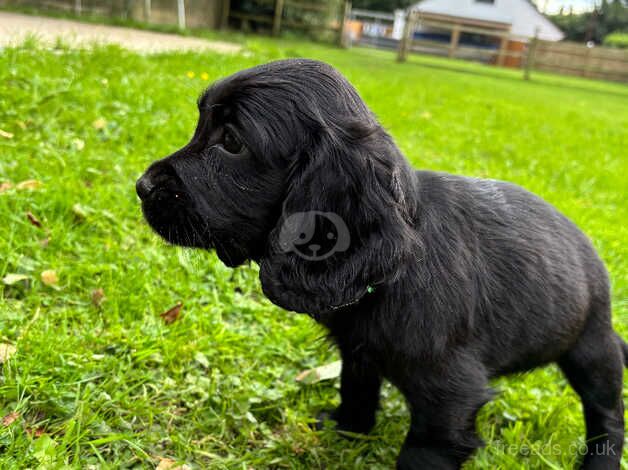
(520, 17)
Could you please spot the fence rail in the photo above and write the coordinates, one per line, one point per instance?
(576, 59)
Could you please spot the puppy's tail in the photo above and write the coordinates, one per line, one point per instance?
(624, 349)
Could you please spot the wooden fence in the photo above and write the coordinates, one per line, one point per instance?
(183, 13)
(325, 16)
(319, 16)
(557, 57)
(576, 59)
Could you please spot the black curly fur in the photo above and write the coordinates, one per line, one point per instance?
(447, 282)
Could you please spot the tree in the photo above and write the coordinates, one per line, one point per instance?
(605, 18)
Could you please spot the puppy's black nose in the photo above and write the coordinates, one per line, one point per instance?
(144, 186)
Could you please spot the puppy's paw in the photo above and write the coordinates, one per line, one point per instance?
(339, 421)
(325, 420)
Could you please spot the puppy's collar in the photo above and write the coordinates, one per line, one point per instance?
(369, 290)
(333, 308)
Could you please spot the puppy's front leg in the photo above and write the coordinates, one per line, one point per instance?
(443, 408)
(360, 384)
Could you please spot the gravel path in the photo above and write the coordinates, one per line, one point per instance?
(15, 27)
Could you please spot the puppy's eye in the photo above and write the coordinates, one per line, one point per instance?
(231, 143)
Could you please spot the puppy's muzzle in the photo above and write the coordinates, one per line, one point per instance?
(159, 182)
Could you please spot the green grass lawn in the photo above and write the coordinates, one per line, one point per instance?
(107, 383)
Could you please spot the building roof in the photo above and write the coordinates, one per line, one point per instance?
(521, 15)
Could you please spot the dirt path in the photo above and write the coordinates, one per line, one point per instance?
(14, 28)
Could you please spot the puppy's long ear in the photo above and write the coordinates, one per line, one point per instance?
(357, 179)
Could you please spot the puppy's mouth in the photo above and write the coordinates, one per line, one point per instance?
(176, 228)
(174, 223)
(168, 212)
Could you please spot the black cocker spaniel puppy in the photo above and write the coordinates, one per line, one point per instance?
(432, 281)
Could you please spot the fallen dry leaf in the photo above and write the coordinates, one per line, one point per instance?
(324, 372)
(12, 278)
(10, 418)
(5, 186)
(6, 351)
(98, 296)
(5, 134)
(302, 375)
(165, 464)
(49, 277)
(170, 464)
(172, 315)
(28, 184)
(44, 242)
(99, 123)
(32, 219)
(35, 432)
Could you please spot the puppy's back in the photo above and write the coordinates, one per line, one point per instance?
(534, 274)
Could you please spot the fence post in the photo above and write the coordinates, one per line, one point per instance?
(587, 62)
(147, 10)
(128, 12)
(343, 40)
(406, 39)
(181, 13)
(455, 38)
(224, 14)
(277, 17)
(530, 55)
(503, 45)
(78, 7)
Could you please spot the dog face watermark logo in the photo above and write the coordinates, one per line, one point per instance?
(314, 235)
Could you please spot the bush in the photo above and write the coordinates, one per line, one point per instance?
(617, 39)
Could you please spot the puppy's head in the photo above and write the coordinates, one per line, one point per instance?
(284, 153)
